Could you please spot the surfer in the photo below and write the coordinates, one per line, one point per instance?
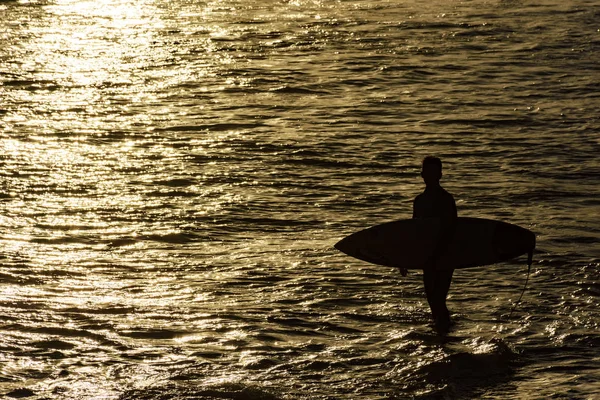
(436, 202)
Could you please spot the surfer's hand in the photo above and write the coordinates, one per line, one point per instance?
(403, 271)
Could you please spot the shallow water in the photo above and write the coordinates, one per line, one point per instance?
(175, 174)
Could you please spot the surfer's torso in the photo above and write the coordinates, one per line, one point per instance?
(434, 202)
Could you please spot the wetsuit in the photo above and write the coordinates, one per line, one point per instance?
(435, 202)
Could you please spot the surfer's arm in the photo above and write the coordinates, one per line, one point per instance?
(417, 213)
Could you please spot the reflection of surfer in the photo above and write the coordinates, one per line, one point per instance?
(436, 202)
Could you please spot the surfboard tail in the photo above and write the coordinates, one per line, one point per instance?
(531, 249)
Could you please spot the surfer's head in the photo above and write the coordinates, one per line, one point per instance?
(432, 170)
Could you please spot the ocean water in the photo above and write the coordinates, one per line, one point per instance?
(174, 175)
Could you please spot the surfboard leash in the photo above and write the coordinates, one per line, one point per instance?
(529, 262)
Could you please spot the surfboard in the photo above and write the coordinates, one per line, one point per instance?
(408, 243)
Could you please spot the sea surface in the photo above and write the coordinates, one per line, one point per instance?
(174, 174)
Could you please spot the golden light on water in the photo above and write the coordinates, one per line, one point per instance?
(98, 36)
(108, 65)
(175, 174)
(86, 63)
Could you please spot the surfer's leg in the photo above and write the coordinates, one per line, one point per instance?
(443, 279)
(429, 283)
(442, 284)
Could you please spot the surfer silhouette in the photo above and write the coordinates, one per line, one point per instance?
(436, 202)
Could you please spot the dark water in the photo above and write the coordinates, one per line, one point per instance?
(175, 173)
